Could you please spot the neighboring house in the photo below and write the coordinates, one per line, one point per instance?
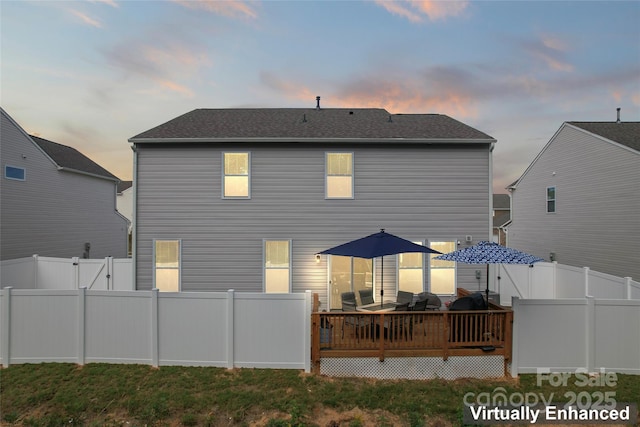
(55, 201)
(578, 202)
(244, 199)
(124, 204)
(501, 217)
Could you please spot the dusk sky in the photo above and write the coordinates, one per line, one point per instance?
(91, 74)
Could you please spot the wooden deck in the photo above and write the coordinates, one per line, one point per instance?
(411, 334)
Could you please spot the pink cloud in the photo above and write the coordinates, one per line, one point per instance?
(415, 10)
(111, 3)
(229, 8)
(86, 19)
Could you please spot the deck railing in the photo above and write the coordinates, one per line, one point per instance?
(438, 333)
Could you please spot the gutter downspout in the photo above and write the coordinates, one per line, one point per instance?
(490, 233)
(134, 222)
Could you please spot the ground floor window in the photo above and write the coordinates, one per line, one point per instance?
(411, 272)
(277, 266)
(166, 256)
(442, 274)
(348, 274)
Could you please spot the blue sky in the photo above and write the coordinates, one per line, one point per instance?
(91, 74)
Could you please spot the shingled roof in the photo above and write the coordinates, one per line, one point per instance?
(625, 133)
(70, 158)
(310, 123)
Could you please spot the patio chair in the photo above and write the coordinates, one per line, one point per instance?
(366, 296)
(404, 297)
(433, 302)
(348, 297)
(356, 323)
(398, 324)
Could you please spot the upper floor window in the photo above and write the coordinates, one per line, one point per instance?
(339, 176)
(551, 199)
(236, 175)
(277, 266)
(16, 173)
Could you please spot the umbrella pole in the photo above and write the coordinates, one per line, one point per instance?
(487, 290)
(382, 283)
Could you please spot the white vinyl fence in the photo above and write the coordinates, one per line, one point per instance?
(221, 329)
(38, 272)
(566, 334)
(550, 280)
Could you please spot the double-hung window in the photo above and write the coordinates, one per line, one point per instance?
(442, 274)
(339, 176)
(236, 175)
(551, 199)
(277, 266)
(166, 265)
(411, 271)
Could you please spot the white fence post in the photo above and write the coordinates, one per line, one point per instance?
(109, 262)
(586, 281)
(82, 320)
(230, 331)
(35, 271)
(515, 304)
(590, 331)
(307, 331)
(154, 328)
(627, 281)
(75, 271)
(555, 280)
(6, 326)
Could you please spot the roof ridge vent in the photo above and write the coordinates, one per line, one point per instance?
(317, 102)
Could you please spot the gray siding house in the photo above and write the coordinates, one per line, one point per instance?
(579, 201)
(55, 200)
(244, 199)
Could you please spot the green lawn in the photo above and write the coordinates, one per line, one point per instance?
(133, 395)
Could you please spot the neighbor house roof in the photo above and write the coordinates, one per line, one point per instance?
(625, 133)
(310, 123)
(501, 218)
(71, 159)
(124, 185)
(501, 201)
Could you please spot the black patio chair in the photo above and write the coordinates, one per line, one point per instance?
(366, 296)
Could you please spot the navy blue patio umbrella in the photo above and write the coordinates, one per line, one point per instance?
(489, 253)
(378, 245)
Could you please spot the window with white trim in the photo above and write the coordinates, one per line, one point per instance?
(166, 265)
(15, 173)
(236, 179)
(277, 266)
(442, 274)
(339, 176)
(411, 271)
(551, 199)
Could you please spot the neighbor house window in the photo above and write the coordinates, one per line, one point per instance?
(166, 255)
(236, 176)
(411, 272)
(339, 176)
(13, 172)
(277, 266)
(442, 274)
(551, 199)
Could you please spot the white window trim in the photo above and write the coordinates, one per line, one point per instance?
(424, 270)
(353, 175)
(264, 261)
(153, 263)
(24, 170)
(222, 171)
(455, 266)
(554, 200)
